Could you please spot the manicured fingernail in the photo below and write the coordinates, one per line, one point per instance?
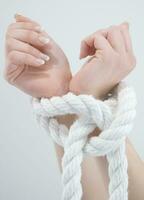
(44, 40)
(45, 57)
(40, 61)
(16, 15)
(39, 28)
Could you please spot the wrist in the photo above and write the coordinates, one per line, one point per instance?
(66, 119)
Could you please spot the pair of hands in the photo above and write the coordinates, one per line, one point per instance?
(38, 66)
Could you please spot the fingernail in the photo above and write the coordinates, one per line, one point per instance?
(39, 28)
(44, 40)
(40, 61)
(17, 15)
(45, 57)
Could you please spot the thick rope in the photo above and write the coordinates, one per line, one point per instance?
(113, 116)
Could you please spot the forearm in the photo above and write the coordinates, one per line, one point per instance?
(135, 172)
(94, 186)
(95, 170)
(93, 177)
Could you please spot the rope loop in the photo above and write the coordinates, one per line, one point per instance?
(113, 116)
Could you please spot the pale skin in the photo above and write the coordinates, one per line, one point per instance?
(37, 65)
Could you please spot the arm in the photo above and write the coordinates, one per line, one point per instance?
(94, 186)
(112, 60)
(95, 175)
(27, 44)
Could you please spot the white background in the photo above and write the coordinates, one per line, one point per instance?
(28, 165)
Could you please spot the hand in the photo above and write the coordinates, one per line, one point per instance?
(34, 62)
(112, 59)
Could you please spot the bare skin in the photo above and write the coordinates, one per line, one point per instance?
(34, 61)
(111, 60)
(95, 172)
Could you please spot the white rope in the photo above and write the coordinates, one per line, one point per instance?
(113, 116)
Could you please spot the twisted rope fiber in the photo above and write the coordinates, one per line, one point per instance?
(113, 116)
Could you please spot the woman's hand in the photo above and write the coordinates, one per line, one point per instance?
(34, 62)
(112, 59)
(38, 66)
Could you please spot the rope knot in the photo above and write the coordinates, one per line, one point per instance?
(114, 117)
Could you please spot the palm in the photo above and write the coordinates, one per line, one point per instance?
(50, 79)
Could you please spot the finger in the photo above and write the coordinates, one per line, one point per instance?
(20, 58)
(12, 72)
(115, 38)
(126, 36)
(86, 50)
(94, 42)
(31, 37)
(21, 18)
(26, 26)
(16, 45)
